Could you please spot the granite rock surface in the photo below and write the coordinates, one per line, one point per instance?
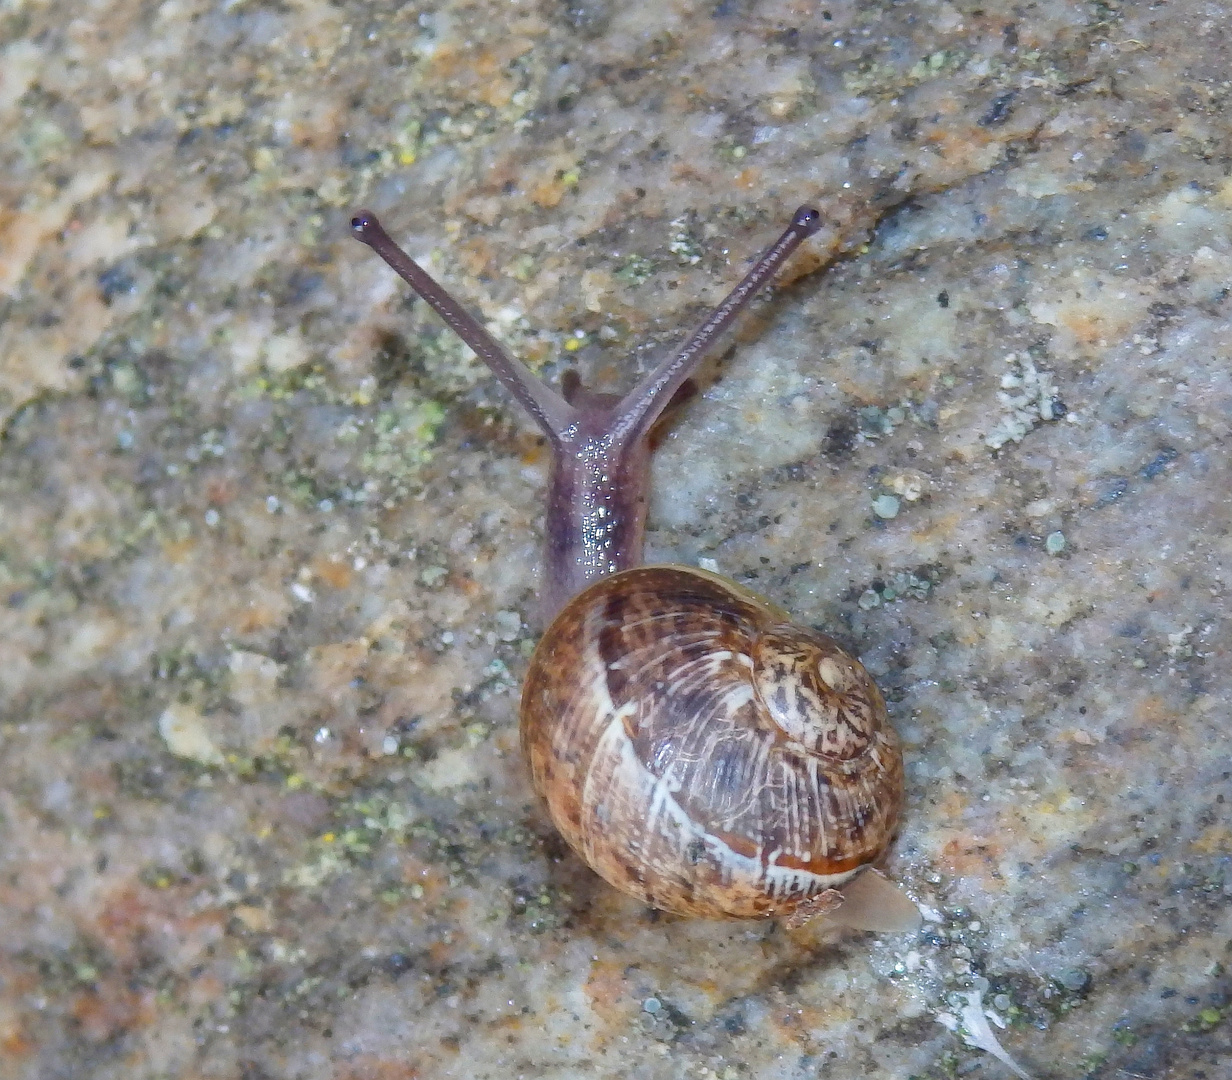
(268, 532)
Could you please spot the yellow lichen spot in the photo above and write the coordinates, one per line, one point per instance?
(406, 157)
(294, 782)
(263, 159)
(177, 551)
(1214, 840)
(572, 345)
(328, 838)
(254, 918)
(498, 92)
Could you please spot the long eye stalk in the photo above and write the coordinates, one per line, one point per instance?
(549, 410)
(597, 495)
(642, 405)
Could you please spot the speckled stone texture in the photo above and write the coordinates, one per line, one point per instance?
(268, 532)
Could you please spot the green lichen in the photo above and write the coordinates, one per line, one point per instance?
(402, 439)
(1208, 1018)
(917, 584)
(540, 911)
(364, 823)
(634, 270)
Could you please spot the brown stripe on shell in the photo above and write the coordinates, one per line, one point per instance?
(661, 762)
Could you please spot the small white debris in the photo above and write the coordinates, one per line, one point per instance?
(1178, 646)
(449, 769)
(183, 729)
(710, 565)
(681, 243)
(432, 576)
(977, 1032)
(1030, 402)
(910, 485)
(508, 625)
(886, 506)
(302, 593)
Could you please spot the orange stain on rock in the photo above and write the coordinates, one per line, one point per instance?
(433, 881)
(333, 572)
(439, 953)
(219, 491)
(1151, 715)
(795, 1024)
(534, 454)
(14, 1042)
(547, 193)
(109, 1009)
(447, 61)
(134, 914)
(610, 996)
(952, 805)
(257, 617)
(480, 75)
(968, 855)
(607, 988)
(204, 991)
(333, 667)
(748, 178)
(476, 256)
(178, 551)
(1214, 840)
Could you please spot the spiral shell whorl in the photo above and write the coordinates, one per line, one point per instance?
(703, 754)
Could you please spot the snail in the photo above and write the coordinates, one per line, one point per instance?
(696, 748)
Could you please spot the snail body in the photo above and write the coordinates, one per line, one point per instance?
(694, 746)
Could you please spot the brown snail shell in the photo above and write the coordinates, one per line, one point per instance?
(704, 754)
